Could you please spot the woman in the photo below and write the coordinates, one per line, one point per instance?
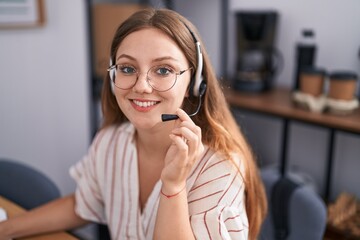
(189, 178)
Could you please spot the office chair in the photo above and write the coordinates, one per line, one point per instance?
(24, 185)
(306, 211)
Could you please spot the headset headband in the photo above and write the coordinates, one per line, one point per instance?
(195, 85)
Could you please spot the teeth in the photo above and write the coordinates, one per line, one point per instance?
(144, 104)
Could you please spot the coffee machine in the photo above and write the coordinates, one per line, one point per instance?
(258, 61)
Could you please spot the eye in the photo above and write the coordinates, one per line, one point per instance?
(163, 71)
(126, 70)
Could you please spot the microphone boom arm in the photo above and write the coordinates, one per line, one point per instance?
(170, 117)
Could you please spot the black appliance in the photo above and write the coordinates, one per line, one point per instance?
(258, 60)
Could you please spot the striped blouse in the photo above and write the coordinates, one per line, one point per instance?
(108, 191)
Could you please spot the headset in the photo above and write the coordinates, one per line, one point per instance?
(197, 83)
(112, 72)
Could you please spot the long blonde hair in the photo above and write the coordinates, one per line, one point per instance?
(220, 131)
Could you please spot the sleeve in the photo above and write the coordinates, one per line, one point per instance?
(88, 197)
(217, 201)
(221, 223)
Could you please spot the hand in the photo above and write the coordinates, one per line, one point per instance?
(3, 236)
(185, 149)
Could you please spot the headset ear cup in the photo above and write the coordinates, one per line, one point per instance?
(202, 88)
(196, 85)
(112, 72)
(112, 78)
(197, 90)
(198, 77)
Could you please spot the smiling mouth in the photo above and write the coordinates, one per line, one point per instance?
(144, 104)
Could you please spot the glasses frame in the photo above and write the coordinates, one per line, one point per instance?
(114, 67)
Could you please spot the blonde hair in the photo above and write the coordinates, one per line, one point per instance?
(220, 131)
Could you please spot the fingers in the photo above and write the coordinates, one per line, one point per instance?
(185, 149)
(187, 128)
(183, 116)
(178, 140)
(187, 136)
(186, 121)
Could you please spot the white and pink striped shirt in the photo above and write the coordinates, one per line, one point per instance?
(108, 191)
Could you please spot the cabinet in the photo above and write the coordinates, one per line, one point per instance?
(278, 103)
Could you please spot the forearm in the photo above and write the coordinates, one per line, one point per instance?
(172, 221)
(54, 216)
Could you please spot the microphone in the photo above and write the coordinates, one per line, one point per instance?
(170, 117)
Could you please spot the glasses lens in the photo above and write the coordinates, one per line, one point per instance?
(125, 77)
(161, 78)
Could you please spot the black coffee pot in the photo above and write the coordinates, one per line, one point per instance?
(257, 68)
(258, 61)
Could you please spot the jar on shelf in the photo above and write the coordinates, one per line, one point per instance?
(342, 85)
(312, 80)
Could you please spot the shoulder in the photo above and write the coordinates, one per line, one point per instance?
(111, 134)
(216, 198)
(104, 144)
(216, 181)
(103, 154)
(213, 163)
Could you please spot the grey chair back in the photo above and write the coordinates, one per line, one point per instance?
(25, 185)
(306, 211)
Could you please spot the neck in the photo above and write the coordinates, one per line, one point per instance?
(153, 143)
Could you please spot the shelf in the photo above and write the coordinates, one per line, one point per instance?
(278, 102)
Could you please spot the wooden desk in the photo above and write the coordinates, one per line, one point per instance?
(278, 103)
(13, 210)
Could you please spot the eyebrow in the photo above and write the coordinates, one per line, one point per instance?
(154, 60)
(125, 56)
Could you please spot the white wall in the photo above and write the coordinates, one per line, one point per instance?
(336, 25)
(44, 92)
(206, 16)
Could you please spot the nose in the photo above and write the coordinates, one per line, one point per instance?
(142, 85)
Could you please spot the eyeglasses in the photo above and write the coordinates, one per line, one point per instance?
(161, 78)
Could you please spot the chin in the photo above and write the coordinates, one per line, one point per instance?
(145, 122)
